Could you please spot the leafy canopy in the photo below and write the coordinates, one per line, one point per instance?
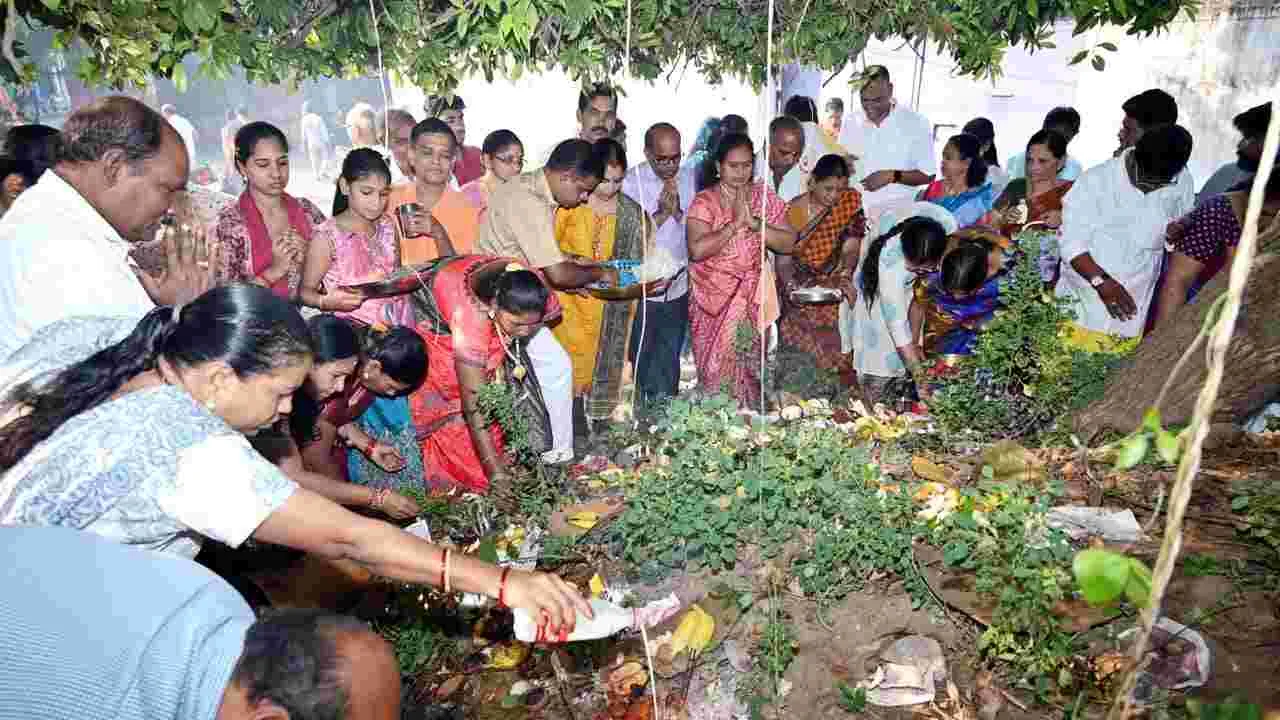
(435, 43)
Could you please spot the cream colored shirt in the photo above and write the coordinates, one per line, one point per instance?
(521, 222)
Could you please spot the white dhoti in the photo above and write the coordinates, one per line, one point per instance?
(554, 369)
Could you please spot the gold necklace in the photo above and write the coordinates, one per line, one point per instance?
(518, 372)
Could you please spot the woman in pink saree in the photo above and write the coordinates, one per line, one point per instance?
(733, 302)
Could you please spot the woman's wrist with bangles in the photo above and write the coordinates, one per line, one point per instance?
(378, 497)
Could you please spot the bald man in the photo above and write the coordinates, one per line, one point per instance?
(664, 188)
(93, 629)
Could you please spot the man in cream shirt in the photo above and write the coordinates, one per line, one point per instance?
(63, 250)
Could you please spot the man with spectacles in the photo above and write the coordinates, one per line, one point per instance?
(1113, 236)
(664, 189)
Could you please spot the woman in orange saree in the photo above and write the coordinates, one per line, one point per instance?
(832, 226)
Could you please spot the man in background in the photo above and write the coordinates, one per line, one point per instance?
(597, 112)
(232, 183)
(400, 124)
(467, 165)
(1252, 126)
(1066, 122)
(315, 140)
(833, 118)
(1142, 112)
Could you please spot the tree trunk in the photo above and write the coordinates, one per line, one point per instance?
(1253, 362)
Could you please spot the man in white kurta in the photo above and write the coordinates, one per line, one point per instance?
(1113, 225)
(63, 251)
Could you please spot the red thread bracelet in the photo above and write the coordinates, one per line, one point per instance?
(502, 588)
(444, 552)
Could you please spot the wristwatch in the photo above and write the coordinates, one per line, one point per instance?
(1098, 280)
(897, 177)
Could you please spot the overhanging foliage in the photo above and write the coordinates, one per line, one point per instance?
(435, 43)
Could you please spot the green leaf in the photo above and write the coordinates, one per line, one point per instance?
(955, 552)
(488, 551)
(1101, 574)
(52, 4)
(1099, 63)
(1110, 47)
(1168, 446)
(1079, 57)
(1239, 502)
(1132, 451)
(180, 78)
(1138, 589)
(1151, 420)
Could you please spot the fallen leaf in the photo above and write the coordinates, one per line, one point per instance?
(596, 585)
(450, 686)
(508, 655)
(629, 675)
(585, 520)
(926, 469)
(694, 632)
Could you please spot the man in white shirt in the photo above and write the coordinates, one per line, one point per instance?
(400, 126)
(893, 145)
(186, 131)
(782, 170)
(63, 250)
(1113, 229)
(665, 190)
(315, 139)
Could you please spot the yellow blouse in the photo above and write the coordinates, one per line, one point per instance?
(581, 231)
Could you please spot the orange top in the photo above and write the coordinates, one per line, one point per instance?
(459, 217)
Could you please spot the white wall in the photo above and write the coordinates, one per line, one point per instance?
(1215, 67)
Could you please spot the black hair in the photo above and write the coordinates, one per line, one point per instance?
(834, 104)
(611, 152)
(985, 131)
(33, 148)
(874, 73)
(802, 108)
(829, 166)
(495, 141)
(1151, 108)
(1062, 117)
(332, 339)
(357, 165)
(112, 123)
(656, 128)
(733, 124)
(400, 351)
(592, 92)
(964, 269)
(923, 241)
(708, 134)
(247, 327)
(577, 156)
(970, 148)
(515, 291)
(787, 123)
(1163, 151)
(434, 126)
(248, 137)
(1051, 139)
(727, 144)
(1252, 123)
(437, 105)
(291, 659)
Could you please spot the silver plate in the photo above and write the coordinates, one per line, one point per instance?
(816, 296)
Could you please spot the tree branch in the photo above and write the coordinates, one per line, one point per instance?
(298, 35)
(10, 34)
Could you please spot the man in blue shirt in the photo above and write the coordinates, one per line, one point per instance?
(94, 629)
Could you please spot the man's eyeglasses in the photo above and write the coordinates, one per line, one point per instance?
(667, 160)
(516, 160)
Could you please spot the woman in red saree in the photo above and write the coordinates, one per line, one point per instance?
(263, 237)
(733, 301)
(469, 311)
(832, 226)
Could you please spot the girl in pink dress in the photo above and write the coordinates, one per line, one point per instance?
(357, 245)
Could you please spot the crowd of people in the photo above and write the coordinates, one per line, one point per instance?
(179, 366)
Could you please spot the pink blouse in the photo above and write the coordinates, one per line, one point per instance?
(358, 258)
